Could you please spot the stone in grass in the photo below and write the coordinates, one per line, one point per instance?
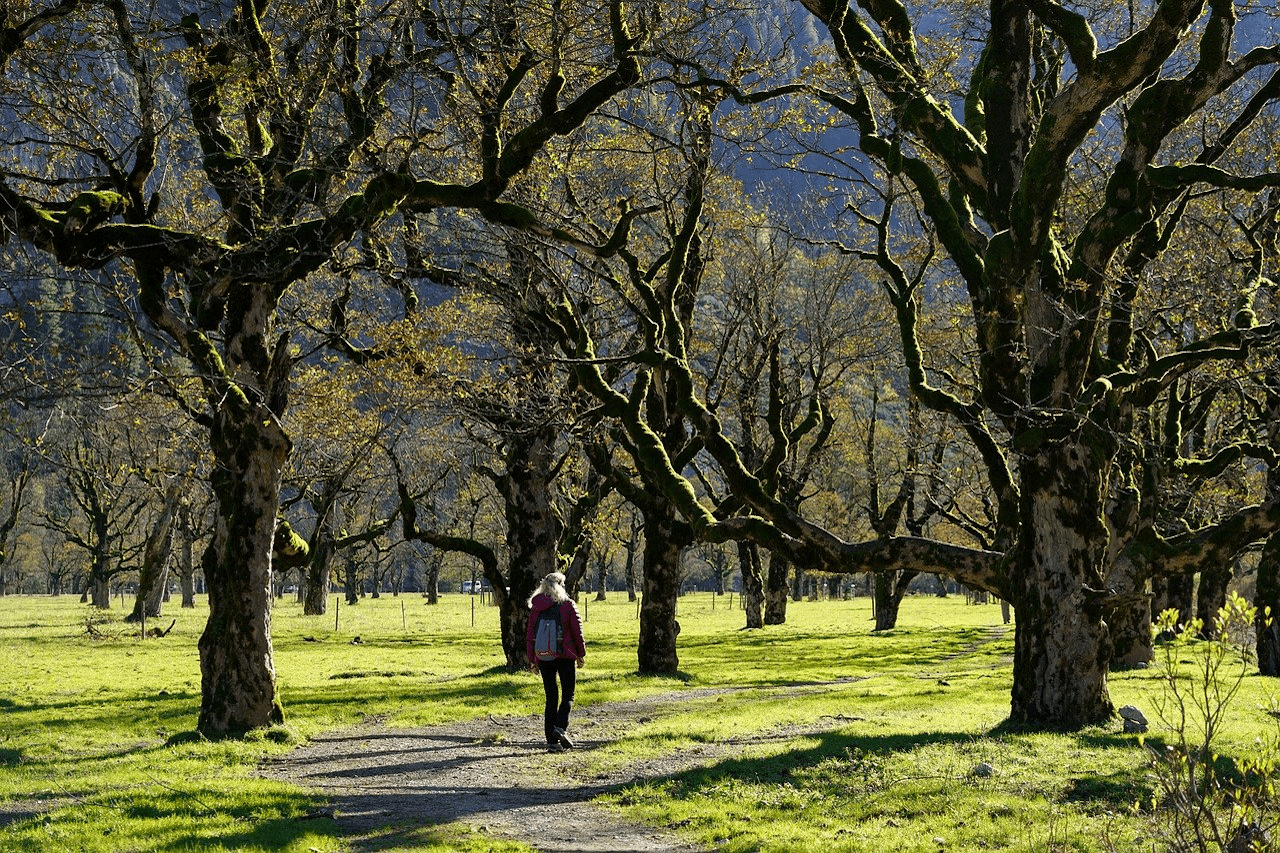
(1135, 722)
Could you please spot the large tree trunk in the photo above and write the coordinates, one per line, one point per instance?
(775, 592)
(316, 586)
(238, 676)
(154, 577)
(532, 534)
(661, 585)
(100, 584)
(752, 584)
(889, 589)
(1211, 596)
(1129, 620)
(1061, 647)
(1173, 592)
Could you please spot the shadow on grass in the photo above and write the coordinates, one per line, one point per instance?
(841, 758)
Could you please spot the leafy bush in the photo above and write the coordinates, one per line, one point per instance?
(1205, 801)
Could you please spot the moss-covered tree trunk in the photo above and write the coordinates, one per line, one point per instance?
(660, 586)
(316, 578)
(186, 557)
(602, 575)
(532, 533)
(1062, 648)
(776, 589)
(431, 583)
(238, 684)
(350, 583)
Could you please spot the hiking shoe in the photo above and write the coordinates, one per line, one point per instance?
(555, 747)
(563, 739)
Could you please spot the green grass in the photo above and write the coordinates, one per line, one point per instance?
(96, 752)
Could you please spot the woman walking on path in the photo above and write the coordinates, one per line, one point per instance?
(558, 659)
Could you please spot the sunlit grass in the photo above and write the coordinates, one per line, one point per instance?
(96, 751)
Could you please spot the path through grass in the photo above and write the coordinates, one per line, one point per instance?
(95, 752)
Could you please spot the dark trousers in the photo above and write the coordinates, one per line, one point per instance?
(559, 702)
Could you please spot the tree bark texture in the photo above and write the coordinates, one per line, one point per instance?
(238, 683)
(1061, 647)
(432, 581)
(350, 584)
(1130, 619)
(660, 580)
(532, 532)
(775, 593)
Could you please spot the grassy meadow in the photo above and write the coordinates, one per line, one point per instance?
(97, 753)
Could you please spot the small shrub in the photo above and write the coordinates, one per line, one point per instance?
(1202, 800)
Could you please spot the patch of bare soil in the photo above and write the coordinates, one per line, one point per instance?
(494, 774)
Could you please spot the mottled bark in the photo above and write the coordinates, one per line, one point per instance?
(99, 589)
(315, 591)
(1061, 646)
(775, 592)
(661, 584)
(1129, 616)
(752, 584)
(8, 526)
(238, 683)
(533, 531)
(629, 566)
(350, 583)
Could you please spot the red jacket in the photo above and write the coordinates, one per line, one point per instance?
(574, 646)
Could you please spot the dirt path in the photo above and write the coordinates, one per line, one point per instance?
(480, 773)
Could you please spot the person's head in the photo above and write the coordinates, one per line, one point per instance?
(552, 586)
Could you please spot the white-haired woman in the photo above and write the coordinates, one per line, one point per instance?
(560, 659)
